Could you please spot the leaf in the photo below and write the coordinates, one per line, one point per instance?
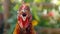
(28, 1)
(12, 1)
(38, 1)
(34, 11)
(16, 7)
(1, 9)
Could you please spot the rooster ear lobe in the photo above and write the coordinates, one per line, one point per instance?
(17, 11)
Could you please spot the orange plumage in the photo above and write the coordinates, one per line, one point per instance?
(17, 30)
(24, 18)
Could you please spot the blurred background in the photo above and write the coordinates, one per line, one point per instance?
(46, 15)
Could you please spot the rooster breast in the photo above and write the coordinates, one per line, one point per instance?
(29, 29)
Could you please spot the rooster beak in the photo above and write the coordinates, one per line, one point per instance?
(24, 14)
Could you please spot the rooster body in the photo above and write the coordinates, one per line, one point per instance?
(24, 25)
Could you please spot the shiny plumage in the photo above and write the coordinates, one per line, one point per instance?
(24, 18)
(28, 30)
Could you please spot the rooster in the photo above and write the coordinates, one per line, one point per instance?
(24, 18)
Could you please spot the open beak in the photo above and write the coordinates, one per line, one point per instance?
(24, 14)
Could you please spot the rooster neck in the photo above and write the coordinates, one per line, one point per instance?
(24, 23)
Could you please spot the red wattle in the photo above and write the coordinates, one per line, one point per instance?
(24, 23)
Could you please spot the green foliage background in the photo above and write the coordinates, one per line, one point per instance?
(36, 10)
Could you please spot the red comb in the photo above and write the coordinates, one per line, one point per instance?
(24, 7)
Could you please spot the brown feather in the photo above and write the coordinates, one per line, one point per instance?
(28, 30)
